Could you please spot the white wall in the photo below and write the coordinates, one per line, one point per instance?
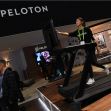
(16, 60)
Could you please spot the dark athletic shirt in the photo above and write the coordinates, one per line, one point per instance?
(88, 36)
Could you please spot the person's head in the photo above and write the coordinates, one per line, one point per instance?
(80, 22)
(2, 65)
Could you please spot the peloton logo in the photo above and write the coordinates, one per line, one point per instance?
(23, 11)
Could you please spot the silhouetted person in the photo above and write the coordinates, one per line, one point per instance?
(59, 64)
(43, 66)
(8, 89)
(19, 85)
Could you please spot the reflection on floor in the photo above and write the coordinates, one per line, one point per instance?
(34, 105)
(30, 93)
(104, 104)
(51, 92)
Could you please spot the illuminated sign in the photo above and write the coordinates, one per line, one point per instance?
(23, 11)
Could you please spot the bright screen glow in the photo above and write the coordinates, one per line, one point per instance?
(45, 54)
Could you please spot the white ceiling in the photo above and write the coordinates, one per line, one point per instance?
(21, 40)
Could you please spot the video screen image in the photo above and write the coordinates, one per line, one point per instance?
(45, 54)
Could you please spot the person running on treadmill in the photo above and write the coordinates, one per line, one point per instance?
(85, 35)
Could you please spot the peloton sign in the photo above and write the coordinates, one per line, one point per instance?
(23, 11)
